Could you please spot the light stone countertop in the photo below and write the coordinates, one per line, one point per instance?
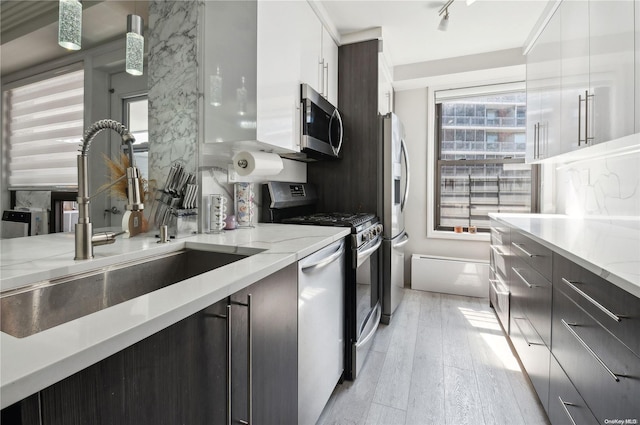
(608, 247)
(30, 364)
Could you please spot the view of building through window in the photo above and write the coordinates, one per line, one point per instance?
(481, 145)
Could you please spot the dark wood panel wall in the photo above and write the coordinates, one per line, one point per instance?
(351, 184)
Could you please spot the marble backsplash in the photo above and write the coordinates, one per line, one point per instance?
(607, 186)
(173, 87)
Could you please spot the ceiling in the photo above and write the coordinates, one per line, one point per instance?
(409, 27)
(410, 33)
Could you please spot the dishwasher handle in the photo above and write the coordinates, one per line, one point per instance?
(325, 261)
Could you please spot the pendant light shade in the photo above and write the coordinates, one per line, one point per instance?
(70, 24)
(135, 45)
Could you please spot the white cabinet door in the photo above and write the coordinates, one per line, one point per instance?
(575, 74)
(229, 43)
(385, 89)
(611, 69)
(288, 54)
(637, 68)
(543, 92)
(330, 67)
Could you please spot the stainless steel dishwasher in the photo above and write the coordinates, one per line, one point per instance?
(321, 289)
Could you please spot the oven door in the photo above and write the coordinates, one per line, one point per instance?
(368, 307)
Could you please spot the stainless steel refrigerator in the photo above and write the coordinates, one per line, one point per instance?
(395, 189)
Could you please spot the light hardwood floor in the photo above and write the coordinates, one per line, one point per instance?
(443, 360)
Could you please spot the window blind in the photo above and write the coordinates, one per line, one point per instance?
(45, 120)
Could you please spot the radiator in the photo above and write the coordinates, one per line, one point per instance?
(455, 276)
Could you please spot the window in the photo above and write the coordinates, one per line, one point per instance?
(44, 123)
(480, 150)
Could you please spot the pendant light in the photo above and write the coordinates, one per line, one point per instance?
(70, 24)
(135, 45)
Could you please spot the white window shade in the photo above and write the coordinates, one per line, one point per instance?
(45, 121)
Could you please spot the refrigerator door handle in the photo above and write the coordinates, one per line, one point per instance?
(407, 171)
(403, 241)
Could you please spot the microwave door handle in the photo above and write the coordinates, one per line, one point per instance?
(336, 113)
(403, 148)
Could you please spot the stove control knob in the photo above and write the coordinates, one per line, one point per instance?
(365, 237)
(379, 229)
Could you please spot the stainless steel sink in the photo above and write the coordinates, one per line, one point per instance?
(41, 306)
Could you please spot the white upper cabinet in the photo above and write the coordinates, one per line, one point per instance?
(288, 54)
(329, 62)
(611, 69)
(575, 75)
(595, 99)
(637, 68)
(543, 92)
(385, 89)
(256, 55)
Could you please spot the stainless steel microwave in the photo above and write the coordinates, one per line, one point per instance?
(321, 127)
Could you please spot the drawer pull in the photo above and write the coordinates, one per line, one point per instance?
(524, 336)
(522, 278)
(527, 253)
(591, 300)
(589, 350)
(497, 251)
(564, 405)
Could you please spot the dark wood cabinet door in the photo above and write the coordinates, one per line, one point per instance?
(172, 377)
(274, 352)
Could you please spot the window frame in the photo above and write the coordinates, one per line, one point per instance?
(439, 163)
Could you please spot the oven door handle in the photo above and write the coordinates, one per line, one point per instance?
(372, 324)
(367, 252)
(325, 261)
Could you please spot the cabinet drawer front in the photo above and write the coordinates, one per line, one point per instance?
(603, 370)
(534, 356)
(499, 234)
(533, 253)
(615, 309)
(565, 403)
(534, 297)
(499, 260)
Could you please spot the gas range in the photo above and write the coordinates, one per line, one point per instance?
(364, 226)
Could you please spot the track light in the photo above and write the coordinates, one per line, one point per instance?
(135, 45)
(444, 10)
(70, 24)
(444, 22)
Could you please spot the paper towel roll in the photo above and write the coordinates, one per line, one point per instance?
(257, 163)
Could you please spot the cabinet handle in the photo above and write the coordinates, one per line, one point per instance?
(517, 272)
(591, 300)
(515, 321)
(497, 251)
(564, 405)
(589, 350)
(227, 319)
(587, 139)
(321, 76)
(326, 80)
(579, 118)
(229, 361)
(249, 361)
(527, 253)
(536, 140)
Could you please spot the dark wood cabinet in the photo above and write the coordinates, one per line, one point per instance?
(180, 374)
(576, 334)
(603, 370)
(530, 319)
(566, 406)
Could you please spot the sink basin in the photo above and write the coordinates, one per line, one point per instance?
(27, 311)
